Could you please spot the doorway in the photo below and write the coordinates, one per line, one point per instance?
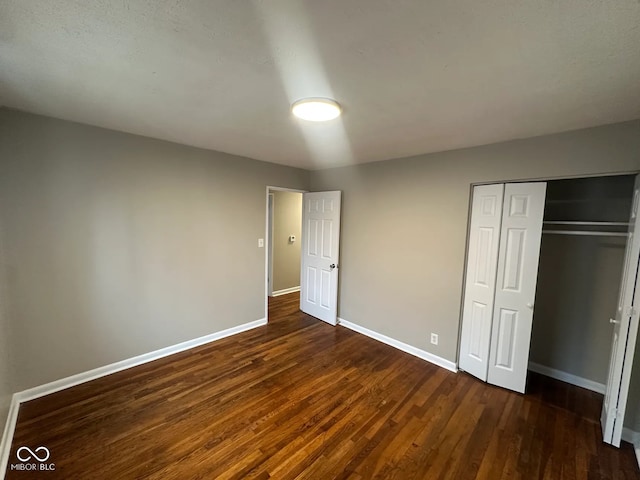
(310, 237)
(284, 231)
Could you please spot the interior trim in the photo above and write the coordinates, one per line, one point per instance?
(73, 380)
(424, 355)
(568, 378)
(285, 291)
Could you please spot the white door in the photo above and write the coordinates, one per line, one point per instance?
(625, 331)
(320, 251)
(518, 255)
(480, 284)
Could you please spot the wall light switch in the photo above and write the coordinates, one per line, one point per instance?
(260, 242)
(292, 238)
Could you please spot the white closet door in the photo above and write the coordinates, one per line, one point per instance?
(320, 251)
(518, 255)
(480, 284)
(625, 331)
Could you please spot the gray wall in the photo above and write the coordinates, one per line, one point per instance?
(117, 245)
(578, 280)
(287, 220)
(404, 224)
(6, 389)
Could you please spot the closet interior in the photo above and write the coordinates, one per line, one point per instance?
(584, 235)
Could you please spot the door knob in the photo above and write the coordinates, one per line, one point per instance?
(613, 320)
(332, 266)
(530, 305)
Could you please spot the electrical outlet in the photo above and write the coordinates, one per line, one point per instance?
(434, 338)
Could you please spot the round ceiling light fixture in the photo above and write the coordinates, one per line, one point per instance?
(316, 109)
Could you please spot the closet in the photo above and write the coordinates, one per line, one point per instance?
(588, 269)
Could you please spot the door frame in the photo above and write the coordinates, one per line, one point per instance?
(268, 241)
(267, 247)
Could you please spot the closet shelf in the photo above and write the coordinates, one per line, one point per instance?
(586, 233)
(594, 233)
(582, 200)
(591, 224)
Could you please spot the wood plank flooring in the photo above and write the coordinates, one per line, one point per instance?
(301, 399)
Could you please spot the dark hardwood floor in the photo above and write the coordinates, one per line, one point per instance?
(301, 399)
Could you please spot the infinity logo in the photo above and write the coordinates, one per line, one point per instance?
(31, 453)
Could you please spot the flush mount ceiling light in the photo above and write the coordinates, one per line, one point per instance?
(316, 109)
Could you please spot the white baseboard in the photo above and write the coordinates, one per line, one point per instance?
(73, 380)
(52, 387)
(632, 437)
(424, 355)
(568, 378)
(284, 291)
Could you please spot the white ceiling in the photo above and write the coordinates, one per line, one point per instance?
(413, 76)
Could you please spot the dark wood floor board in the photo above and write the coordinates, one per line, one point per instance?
(480, 439)
(462, 419)
(300, 399)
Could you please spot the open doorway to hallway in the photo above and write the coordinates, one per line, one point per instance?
(284, 231)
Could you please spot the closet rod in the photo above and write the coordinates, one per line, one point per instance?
(582, 232)
(612, 224)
